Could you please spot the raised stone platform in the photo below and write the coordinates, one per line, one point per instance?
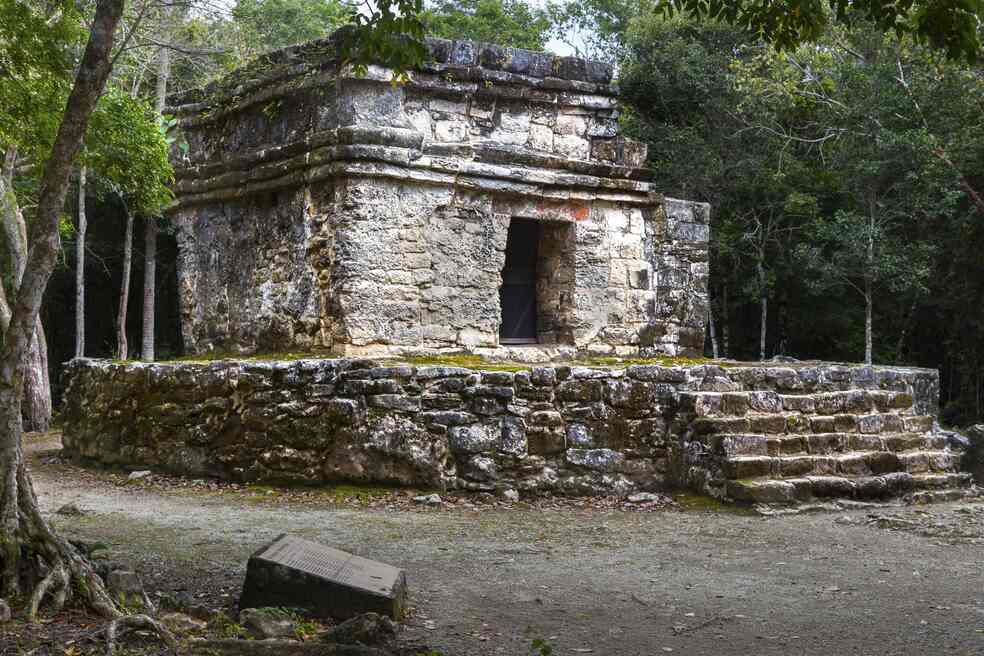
(747, 432)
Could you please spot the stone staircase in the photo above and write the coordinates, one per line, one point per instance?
(763, 446)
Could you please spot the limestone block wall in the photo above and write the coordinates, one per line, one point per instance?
(743, 432)
(316, 209)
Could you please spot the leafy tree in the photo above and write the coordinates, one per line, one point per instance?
(850, 105)
(504, 22)
(596, 29)
(26, 539)
(269, 24)
(951, 26)
(391, 32)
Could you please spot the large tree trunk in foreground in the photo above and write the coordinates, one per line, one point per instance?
(31, 554)
(36, 402)
(80, 270)
(121, 346)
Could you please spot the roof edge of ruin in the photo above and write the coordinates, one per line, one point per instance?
(454, 56)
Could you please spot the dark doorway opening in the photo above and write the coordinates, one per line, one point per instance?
(517, 296)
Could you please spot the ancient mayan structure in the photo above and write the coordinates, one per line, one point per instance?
(488, 202)
(488, 205)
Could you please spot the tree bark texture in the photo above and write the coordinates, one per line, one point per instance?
(150, 234)
(36, 402)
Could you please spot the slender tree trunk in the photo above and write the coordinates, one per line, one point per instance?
(906, 324)
(725, 322)
(150, 233)
(868, 281)
(764, 304)
(29, 550)
(149, 291)
(867, 321)
(80, 270)
(711, 329)
(121, 346)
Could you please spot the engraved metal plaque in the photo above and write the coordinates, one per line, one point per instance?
(326, 582)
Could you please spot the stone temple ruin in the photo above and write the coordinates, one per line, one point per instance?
(489, 205)
(487, 202)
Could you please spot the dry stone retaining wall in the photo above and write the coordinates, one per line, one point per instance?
(774, 433)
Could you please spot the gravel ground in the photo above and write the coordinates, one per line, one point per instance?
(691, 579)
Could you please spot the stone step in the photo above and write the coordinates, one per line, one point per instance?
(852, 463)
(793, 490)
(747, 444)
(851, 402)
(798, 424)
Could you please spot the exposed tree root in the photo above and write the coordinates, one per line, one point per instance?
(34, 555)
(31, 549)
(132, 622)
(57, 577)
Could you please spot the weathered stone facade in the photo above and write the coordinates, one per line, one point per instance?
(745, 432)
(317, 209)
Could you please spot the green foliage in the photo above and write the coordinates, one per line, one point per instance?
(503, 22)
(541, 647)
(36, 45)
(127, 148)
(948, 25)
(223, 627)
(595, 28)
(806, 153)
(269, 24)
(391, 34)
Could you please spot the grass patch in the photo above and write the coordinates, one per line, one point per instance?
(675, 361)
(465, 361)
(220, 356)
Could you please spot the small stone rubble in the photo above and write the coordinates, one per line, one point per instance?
(761, 434)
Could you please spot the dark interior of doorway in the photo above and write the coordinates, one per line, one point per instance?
(517, 296)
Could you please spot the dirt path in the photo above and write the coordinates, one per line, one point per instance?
(910, 581)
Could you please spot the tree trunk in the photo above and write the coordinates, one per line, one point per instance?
(149, 295)
(29, 550)
(764, 303)
(80, 270)
(36, 400)
(867, 321)
(869, 280)
(37, 387)
(904, 332)
(711, 330)
(725, 330)
(121, 346)
(150, 234)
